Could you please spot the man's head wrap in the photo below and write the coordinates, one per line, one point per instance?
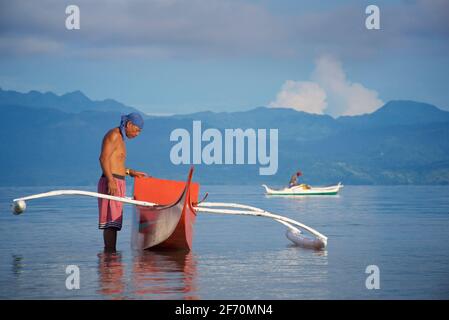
(135, 118)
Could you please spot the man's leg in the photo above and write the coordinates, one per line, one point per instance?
(110, 239)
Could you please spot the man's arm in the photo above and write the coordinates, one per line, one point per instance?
(109, 145)
(136, 174)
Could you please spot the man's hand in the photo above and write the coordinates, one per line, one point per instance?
(112, 187)
(137, 174)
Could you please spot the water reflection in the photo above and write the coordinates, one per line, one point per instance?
(154, 275)
(17, 264)
(315, 252)
(320, 253)
(165, 275)
(300, 197)
(111, 274)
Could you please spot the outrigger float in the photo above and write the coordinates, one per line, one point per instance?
(304, 190)
(165, 212)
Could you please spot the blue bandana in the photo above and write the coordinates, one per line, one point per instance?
(135, 118)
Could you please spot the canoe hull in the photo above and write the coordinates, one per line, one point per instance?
(168, 226)
(300, 191)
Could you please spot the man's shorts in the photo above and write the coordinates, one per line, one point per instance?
(110, 211)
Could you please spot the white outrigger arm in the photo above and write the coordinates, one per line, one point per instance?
(293, 233)
(83, 193)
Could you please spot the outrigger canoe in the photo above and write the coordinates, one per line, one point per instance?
(169, 224)
(165, 212)
(303, 190)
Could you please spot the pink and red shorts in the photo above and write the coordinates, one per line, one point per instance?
(110, 211)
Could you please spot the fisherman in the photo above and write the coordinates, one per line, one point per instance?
(112, 182)
(294, 179)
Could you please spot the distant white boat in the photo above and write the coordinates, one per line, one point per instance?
(304, 190)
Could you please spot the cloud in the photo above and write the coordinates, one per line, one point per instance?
(28, 46)
(175, 28)
(217, 28)
(345, 97)
(303, 96)
(330, 92)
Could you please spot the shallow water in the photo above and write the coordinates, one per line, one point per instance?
(404, 230)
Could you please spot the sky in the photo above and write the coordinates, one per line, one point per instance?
(179, 56)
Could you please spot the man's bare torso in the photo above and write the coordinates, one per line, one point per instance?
(118, 156)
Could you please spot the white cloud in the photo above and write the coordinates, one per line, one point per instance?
(303, 96)
(345, 97)
(330, 92)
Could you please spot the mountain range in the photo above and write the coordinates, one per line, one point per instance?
(73, 102)
(48, 139)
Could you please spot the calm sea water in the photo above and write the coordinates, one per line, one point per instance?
(404, 230)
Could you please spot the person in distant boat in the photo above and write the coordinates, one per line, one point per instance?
(294, 179)
(112, 181)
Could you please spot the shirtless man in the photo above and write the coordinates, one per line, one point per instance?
(294, 179)
(112, 160)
